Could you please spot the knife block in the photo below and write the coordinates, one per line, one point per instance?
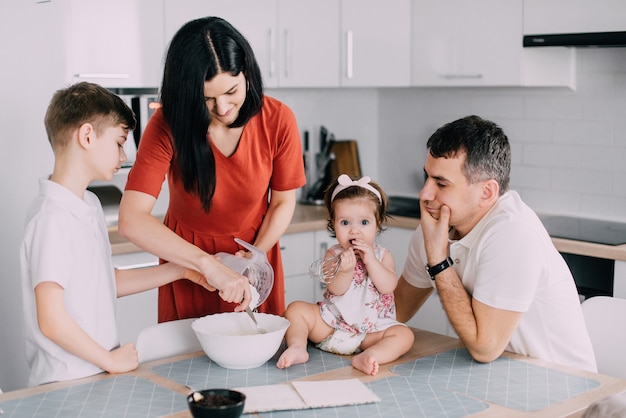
(346, 159)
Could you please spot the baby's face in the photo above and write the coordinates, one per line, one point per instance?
(355, 219)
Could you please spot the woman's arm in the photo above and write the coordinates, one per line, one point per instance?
(279, 213)
(58, 326)
(137, 224)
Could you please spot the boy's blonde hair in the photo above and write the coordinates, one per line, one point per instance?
(84, 103)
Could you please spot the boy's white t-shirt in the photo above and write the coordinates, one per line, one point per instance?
(66, 242)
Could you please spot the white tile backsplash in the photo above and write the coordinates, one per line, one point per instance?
(569, 146)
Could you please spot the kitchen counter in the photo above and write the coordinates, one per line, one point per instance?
(436, 377)
(313, 218)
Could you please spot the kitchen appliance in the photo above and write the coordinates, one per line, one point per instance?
(404, 206)
(593, 276)
(587, 39)
(144, 105)
(583, 229)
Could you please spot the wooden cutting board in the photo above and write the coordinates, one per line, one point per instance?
(346, 159)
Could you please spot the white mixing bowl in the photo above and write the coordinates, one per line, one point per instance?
(231, 340)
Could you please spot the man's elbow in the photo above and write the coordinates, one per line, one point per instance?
(485, 355)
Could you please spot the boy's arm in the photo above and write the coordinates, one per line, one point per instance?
(58, 326)
(138, 280)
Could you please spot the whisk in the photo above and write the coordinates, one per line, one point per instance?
(325, 269)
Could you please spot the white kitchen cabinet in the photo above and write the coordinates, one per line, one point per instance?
(297, 253)
(573, 16)
(431, 316)
(140, 310)
(397, 241)
(326, 43)
(295, 41)
(115, 43)
(375, 44)
(470, 47)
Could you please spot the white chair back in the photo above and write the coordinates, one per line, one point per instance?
(604, 317)
(167, 339)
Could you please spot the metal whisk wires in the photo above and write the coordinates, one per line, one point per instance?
(325, 269)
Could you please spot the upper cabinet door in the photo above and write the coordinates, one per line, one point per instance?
(375, 44)
(308, 43)
(115, 43)
(294, 41)
(473, 43)
(255, 19)
(543, 17)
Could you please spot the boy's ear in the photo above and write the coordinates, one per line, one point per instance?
(85, 135)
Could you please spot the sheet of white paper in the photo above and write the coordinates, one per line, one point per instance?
(306, 394)
(335, 392)
(271, 398)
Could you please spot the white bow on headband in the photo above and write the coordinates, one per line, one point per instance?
(345, 181)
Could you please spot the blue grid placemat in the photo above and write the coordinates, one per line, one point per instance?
(508, 382)
(118, 396)
(201, 373)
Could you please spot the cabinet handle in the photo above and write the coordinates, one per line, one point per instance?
(349, 54)
(288, 60)
(101, 75)
(460, 76)
(271, 41)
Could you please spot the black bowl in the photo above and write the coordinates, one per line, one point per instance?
(216, 403)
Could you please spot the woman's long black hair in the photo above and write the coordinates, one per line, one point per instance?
(199, 51)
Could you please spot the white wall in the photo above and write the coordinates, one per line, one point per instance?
(30, 63)
(569, 147)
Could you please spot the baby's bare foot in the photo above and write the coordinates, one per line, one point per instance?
(365, 363)
(291, 356)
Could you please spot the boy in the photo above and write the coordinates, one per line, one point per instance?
(69, 285)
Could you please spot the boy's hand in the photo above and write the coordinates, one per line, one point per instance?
(123, 359)
(198, 278)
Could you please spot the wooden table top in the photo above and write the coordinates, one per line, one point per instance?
(426, 344)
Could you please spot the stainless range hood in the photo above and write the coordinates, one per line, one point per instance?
(588, 39)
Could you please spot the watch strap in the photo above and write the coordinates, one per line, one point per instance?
(438, 268)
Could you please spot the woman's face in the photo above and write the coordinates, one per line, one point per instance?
(224, 95)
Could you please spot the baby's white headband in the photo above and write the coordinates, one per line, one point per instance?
(345, 181)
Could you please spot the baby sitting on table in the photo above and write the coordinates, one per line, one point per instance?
(357, 314)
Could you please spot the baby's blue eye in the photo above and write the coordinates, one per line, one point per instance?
(344, 222)
(365, 222)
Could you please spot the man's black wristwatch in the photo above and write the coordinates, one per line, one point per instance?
(438, 268)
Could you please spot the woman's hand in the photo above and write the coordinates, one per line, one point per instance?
(232, 286)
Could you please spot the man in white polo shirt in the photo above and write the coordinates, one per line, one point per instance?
(501, 281)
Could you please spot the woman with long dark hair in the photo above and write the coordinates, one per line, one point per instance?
(233, 161)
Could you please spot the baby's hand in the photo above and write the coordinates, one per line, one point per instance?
(124, 359)
(363, 250)
(348, 261)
